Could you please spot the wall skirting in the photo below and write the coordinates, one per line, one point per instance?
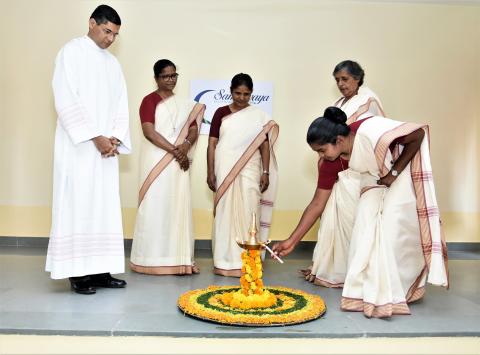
(200, 244)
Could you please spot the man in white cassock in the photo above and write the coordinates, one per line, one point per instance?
(86, 238)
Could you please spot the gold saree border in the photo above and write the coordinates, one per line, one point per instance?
(384, 310)
(383, 143)
(245, 157)
(372, 310)
(419, 179)
(321, 282)
(165, 270)
(195, 115)
(363, 109)
(225, 272)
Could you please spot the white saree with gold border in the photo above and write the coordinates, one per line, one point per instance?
(396, 243)
(331, 251)
(238, 168)
(364, 104)
(163, 241)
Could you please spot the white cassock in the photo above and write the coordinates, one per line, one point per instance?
(91, 100)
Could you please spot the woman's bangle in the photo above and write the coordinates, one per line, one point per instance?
(187, 141)
(266, 172)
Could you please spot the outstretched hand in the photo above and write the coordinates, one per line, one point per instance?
(283, 248)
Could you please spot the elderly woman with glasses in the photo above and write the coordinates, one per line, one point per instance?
(163, 242)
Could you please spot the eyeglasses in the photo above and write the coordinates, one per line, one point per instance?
(109, 32)
(167, 77)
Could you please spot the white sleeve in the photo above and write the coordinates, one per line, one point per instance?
(121, 129)
(72, 114)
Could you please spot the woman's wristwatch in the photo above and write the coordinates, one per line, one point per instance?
(394, 172)
(266, 172)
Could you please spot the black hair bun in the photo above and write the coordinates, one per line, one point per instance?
(335, 114)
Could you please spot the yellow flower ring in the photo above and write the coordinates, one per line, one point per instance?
(292, 307)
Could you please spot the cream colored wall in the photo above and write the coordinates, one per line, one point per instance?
(421, 59)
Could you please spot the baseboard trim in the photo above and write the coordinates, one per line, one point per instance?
(42, 242)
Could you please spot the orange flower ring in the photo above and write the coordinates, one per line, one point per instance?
(292, 307)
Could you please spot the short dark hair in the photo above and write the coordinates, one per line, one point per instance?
(242, 79)
(326, 129)
(353, 68)
(160, 65)
(104, 13)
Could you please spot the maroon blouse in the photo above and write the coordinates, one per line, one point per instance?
(149, 105)
(328, 170)
(219, 114)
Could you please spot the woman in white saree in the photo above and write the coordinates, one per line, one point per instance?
(396, 240)
(163, 240)
(330, 256)
(242, 171)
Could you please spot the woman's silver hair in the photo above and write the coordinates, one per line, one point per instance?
(352, 68)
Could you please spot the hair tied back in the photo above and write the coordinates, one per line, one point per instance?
(335, 114)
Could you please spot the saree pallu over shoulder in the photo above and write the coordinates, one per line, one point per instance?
(238, 169)
(396, 244)
(432, 236)
(163, 242)
(270, 129)
(365, 104)
(246, 147)
(195, 115)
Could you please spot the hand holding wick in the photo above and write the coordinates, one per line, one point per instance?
(272, 253)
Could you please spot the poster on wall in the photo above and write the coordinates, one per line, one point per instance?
(216, 93)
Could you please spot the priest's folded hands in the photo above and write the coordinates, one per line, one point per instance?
(106, 146)
(115, 142)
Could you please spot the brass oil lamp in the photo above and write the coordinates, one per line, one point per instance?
(252, 243)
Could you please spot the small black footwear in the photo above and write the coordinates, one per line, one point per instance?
(106, 280)
(82, 285)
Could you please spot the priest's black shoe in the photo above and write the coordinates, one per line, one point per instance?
(106, 280)
(82, 285)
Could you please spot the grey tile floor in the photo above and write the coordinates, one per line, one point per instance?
(32, 303)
